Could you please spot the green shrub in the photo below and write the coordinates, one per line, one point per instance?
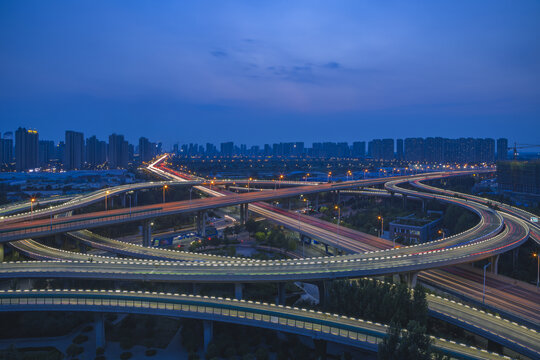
(126, 355)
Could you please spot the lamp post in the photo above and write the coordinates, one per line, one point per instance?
(164, 188)
(106, 202)
(484, 288)
(249, 180)
(538, 269)
(129, 196)
(338, 220)
(329, 175)
(280, 180)
(32, 200)
(441, 232)
(381, 219)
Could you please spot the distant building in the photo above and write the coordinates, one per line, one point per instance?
(502, 149)
(359, 149)
(118, 151)
(74, 151)
(96, 152)
(227, 149)
(46, 152)
(399, 149)
(6, 148)
(412, 230)
(519, 177)
(26, 149)
(147, 149)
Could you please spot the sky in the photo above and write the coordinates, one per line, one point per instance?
(259, 72)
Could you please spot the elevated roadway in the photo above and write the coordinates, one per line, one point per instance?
(317, 325)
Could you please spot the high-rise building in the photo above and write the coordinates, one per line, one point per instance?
(502, 149)
(26, 149)
(96, 151)
(399, 149)
(147, 149)
(46, 152)
(359, 149)
(6, 148)
(118, 151)
(414, 149)
(227, 149)
(387, 149)
(519, 176)
(74, 151)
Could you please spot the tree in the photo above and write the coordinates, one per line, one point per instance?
(251, 226)
(419, 306)
(413, 344)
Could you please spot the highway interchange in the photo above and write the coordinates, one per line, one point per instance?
(497, 232)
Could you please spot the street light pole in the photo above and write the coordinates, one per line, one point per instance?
(106, 202)
(164, 188)
(484, 289)
(338, 221)
(538, 270)
(381, 219)
(32, 200)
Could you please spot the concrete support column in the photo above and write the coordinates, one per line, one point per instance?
(99, 328)
(326, 249)
(335, 251)
(1, 252)
(196, 289)
(494, 267)
(208, 326)
(320, 348)
(135, 199)
(238, 291)
(515, 256)
(410, 278)
(281, 294)
(124, 200)
(242, 214)
(112, 202)
(423, 205)
(404, 200)
(317, 202)
(323, 286)
(201, 223)
(147, 233)
(289, 203)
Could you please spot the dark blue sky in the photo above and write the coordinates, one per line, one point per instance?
(267, 71)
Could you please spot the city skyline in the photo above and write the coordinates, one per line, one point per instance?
(276, 71)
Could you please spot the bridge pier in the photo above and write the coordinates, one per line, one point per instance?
(317, 202)
(112, 202)
(135, 198)
(99, 328)
(1, 252)
(243, 213)
(323, 287)
(410, 278)
(423, 205)
(404, 197)
(281, 294)
(238, 291)
(494, 267)
(201, 223)
(320, 348)
(147, 233)
(208, 326)
(326, 249)
(515, 257)
(335, 251)
(196, 289)
(124, 200)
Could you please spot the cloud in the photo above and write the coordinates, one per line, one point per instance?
(332, 65)
(219, 53)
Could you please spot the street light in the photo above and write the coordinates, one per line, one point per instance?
(537, 271)
(329, 175)
(441, 232)
(32, 200)
(280, 180)
(484, 289)
(338, 220)
(106, 202)
(348, 173)
(380, 218)
(249, 180)
(164, 188)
